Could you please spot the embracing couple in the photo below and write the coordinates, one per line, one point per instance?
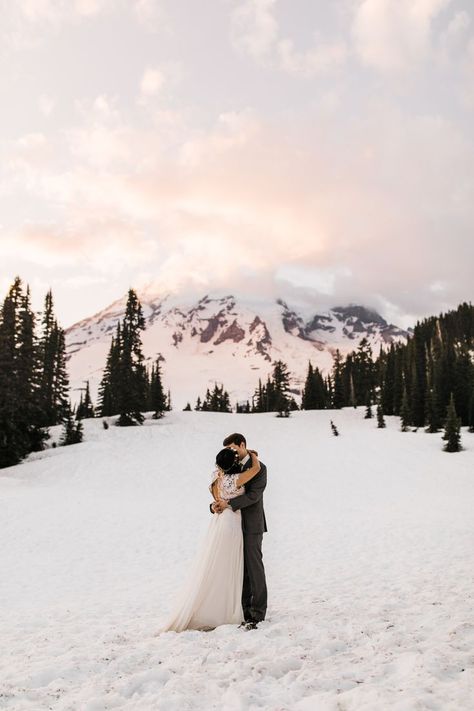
(227, 582)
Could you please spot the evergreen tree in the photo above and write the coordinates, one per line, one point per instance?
(281, 386)
(433, 416)
(85, 407)
(315, 394)
(452, 432)
(158, 401)
(124, 388)
(471, 412)
(54, 384)
(398, 382)
(368, 407)
(380, 417)
(388, 382)
(242, 407)
(338, 399)
(88, 406)
(352, 393)
(187, 408)
(72, 431)
(364, 370)
(418, 379)
(216, 401)
(405, 414)
(21, 429)
(309, 398)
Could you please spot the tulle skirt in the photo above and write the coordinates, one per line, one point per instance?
(212, 595)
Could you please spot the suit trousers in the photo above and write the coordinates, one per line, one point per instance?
(254, 591)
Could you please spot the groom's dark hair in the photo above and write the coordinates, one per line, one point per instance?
(235, 438)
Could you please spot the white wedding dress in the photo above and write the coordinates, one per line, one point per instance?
(212, 595)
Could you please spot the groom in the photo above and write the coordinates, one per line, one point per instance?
(254, 591)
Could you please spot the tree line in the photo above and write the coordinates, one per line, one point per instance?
(34, 384)
(427, 381)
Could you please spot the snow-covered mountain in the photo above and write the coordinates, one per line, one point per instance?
(226, 339)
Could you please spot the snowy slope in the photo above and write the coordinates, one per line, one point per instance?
(226, 339)
(369, 560)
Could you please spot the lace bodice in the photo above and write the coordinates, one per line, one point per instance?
(227, 485)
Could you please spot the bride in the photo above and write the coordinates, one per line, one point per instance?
(212, 595)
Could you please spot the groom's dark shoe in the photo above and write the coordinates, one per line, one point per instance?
(251, 625)
(248, 625)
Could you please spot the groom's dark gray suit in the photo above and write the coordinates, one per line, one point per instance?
(254, 525)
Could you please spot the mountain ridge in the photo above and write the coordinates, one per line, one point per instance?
(219, 337)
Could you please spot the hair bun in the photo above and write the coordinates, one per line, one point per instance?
(226, 458)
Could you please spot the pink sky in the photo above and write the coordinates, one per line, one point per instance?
(323, 151)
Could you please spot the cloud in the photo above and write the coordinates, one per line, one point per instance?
(395, 36)
(247, 196)
(256, 32)
(26, 24)
(254, 27)
(46, 104)
(105, 245)
(323, 57)
(151, 15)
(152, 81)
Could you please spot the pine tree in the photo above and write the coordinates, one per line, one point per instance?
(13, 445)
(88, 406)
(338, 399)
(72, 431)
(158, 402)
(21, 429)
(28, 376)
(187, 408)
(80, 408)
(405, 414)
(398, 385)
(368, 407)
(109, 386)
(418, 379)
(388, 383)
(363, 373)
(471, 412)
(452, 431)
(380, 417)
(216, 401)
(433, 417)
(124, 388)
(281, 387)
(308, 400)
(54, 385)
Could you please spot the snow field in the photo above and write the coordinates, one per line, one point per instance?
(369, 560)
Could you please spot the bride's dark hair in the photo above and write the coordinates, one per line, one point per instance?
(226, 459)
(235, 438)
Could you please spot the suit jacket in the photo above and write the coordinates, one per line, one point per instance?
(251, 503)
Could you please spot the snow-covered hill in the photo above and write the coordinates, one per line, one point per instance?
(226, 339)
(369, 559)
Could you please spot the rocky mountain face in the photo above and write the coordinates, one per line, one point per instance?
(226, 339)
